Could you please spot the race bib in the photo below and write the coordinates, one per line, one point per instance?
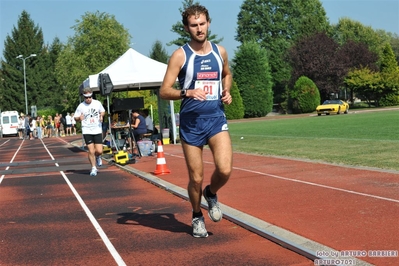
(92, 120)
(210, 86)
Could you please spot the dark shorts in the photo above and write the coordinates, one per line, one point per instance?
(90, 139)
(69, 125)
(198, 131)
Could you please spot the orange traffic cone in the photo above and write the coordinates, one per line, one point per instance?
(161, 161)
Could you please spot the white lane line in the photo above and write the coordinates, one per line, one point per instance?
(96, 225)
(4, 142)
(12, 159)
(15, 154)
(319, 185)
(307, 183)
(93, 220)
(49, 153)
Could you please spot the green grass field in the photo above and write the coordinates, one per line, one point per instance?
(368, 139)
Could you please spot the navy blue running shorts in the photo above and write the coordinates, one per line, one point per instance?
(197, 131)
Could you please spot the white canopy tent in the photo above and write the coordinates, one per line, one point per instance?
(133, 71)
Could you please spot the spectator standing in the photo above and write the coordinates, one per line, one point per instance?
(73, 124)
(21, 126)
(39, 127)
(68, 119)
(27, 128)
(32, 128)
(57, 124)
(49, 127)
(43, 123)
(62, 126)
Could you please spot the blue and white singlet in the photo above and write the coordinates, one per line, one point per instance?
(202, 71)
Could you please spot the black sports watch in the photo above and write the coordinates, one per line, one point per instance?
(183, 93)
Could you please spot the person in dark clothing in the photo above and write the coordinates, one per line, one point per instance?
(27, 127)
(138, 124)
(62, 126)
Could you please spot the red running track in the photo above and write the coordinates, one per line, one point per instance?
(344, 208)
(54, 213)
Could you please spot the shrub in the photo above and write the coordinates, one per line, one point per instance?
(391, 99)
(304, 97)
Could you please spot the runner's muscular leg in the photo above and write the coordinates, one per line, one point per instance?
(98, 149)
(193, 156)
(222, 151)
(91, 154)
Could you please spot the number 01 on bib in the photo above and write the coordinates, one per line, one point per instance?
(210, 86)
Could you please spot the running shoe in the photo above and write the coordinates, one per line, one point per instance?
(99, 161)
(199, 229)
(214, 211)
(93, 172)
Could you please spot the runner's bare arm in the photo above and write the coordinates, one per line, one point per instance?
(167, 91)
(227, 77)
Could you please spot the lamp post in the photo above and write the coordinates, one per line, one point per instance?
(26, 98)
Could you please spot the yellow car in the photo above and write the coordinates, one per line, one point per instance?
(332, 107)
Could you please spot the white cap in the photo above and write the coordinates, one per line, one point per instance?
(89, 94)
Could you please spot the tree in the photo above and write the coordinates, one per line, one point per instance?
(321, 59)
(315, 58)
(390, 76)
(251, 72)
(365, 83)
(159, 53)
(275, 25)
(236, 109)
(99, 40)
(184, 37)
(356, 55)
(50, 94)
(388, 60)
(25, 39)
(380, 86)
(394, 41)
(350, 30)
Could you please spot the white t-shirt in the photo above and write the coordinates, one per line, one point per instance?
(32, 125)
(68, 120)
(21, 123)
(91, 123)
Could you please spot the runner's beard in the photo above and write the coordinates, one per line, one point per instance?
(199, 39)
